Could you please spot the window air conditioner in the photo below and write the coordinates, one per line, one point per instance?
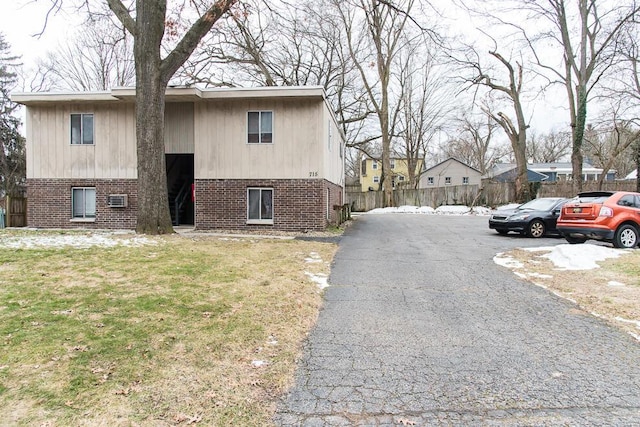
(117, 200)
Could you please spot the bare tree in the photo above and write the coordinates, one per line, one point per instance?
(511, 91)
(424, 105)
(549, 147)
(587, 51)
(473, 142)
(147, 26)
(97, 58)
(374, 31)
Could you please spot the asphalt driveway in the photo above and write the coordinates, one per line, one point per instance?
(420, 327)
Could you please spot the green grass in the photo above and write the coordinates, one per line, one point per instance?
(154, 333)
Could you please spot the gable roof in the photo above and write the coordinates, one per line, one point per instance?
(455, 160)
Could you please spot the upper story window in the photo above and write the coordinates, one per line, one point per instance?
(376, 179)
(82, 129)
(429, 180)
(374, 165)
(260, 127)
(393, 163)
(83, 203)
(447, 180)
(465, 179)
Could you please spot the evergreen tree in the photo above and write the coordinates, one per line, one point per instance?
(12, 154)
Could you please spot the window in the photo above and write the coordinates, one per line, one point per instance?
(376, 179)
(447, 180)
(465, 179)
(363, 172)
(83, 202)
(82, 129)
(400, 177)
(374, 165)
(260, 127)
(429, 180)
(393, 163)
(260, 205)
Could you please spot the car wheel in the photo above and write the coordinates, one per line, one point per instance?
(626, 237)
(536, 229)
(575, 240)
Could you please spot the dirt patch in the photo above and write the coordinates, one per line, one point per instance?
(611, 292)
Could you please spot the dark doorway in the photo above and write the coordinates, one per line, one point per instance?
(180, 182)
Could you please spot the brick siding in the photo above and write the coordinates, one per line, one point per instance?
(298, 204)
(50, 203)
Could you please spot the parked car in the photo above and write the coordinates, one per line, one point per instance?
(610, 216)
(534, 219)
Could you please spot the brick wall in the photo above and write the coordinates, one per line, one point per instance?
(50, 203)
(298, 204)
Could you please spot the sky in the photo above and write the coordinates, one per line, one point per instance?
(22, 20)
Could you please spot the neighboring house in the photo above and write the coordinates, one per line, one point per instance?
(507, 172)
(371, 173)
(632, 175)
(450, 172)
(250, 158)
(558, 171)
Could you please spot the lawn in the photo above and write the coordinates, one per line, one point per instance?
(171, 330)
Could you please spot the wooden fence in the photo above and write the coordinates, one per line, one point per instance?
(490, 194)
(15, 211)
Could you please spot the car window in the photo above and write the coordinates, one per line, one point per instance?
(539, 204)
(628, 200)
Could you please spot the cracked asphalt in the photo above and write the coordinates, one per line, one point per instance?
(420, 327)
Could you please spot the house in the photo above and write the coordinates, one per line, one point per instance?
(632, 175)
(556, 171)
(240, 158)
(507, 172)
(371, 173)
(450, 172)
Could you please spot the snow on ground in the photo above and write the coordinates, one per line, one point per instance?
(441, 210)
(578, 257)
(75, 240)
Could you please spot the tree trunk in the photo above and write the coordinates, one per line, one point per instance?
(153, 204)
(578, 136)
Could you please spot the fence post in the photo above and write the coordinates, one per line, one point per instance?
(7, 215)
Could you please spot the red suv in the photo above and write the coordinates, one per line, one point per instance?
(611, 216)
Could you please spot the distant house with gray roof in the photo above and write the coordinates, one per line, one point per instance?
(547, 172)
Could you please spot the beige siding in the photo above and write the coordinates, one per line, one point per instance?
(452, 169)
(333, 148)
(222, 151)
(51, 155)
(178, 125)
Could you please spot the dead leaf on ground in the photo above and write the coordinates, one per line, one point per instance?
(406, 422)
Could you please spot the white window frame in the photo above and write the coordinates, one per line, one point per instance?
(393, 163)
(447, 180)
(260, 114)
(465, 180)
(81, 136)
(376, 179)
(259, 221)
(374, 165)
(84, 217)
(430, 180)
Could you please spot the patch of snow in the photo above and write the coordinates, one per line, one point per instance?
(258, 363)
(540, 276)
(313, 258)
(441, 210)
(322, 280)
(81, 241)
(635, 322)
(581, 257)
(614, 283)
(507, 261)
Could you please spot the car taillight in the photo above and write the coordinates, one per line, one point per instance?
(606, 211)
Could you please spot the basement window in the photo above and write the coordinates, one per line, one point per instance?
(260, 206)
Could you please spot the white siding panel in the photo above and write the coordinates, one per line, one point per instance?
(222, 150)
(51, 155)
(178, 127)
